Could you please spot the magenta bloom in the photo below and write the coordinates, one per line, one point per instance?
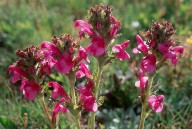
(18, 73)
(83, 71)
(142, 81)
(142, 46)
(49, 49)
(30, 89)
(58, 91)
(171, 52)
(58, 107)
(86, 97)
(64, 63)
(85, 28)
(115, 26)
(83, 55)
(97, 46)
(148, 63)
(155, 102)
(121, 53)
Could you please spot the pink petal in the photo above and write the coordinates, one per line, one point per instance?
(97, 46)
(159, 109)
(125, 44)
(64, 64)
(30, 89)
(142, 46)
(49, 49)
(83, 71)
(90, 104)
(58, 90)
(16, 77)
(148, 63)
(82, 54)
(179, 49)
(84, 27)
(123, 55)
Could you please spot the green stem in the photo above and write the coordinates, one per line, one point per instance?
(145, 102)
(96, 91)
(72, 80)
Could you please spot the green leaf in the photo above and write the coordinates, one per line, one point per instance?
(7, 123)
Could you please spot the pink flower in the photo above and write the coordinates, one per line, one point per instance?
(142, 46)
(30, 89)
(115, 27)
(49, 49)
(64, 63)
(155, 102)
(58, 107)
(58, 91)
(90, 104)
(142, 81)
(171, 52)
(97, 46)
(83, 71)
(18, 73)
(148, 63)
(83, 55)
(86, 97)
(121, 53)
(85, 28)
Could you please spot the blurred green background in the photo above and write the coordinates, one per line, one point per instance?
(29, 22)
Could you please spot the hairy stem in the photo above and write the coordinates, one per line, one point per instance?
(46, 113)
(145, 102)
(72, 80)
(96, 91)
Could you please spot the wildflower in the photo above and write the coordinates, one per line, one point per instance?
(169, 52)
(155, 102)
(142, 46)
(30, 89)
(18, 73)
(64, 63)
(83, 55)
(142, 81)
(84, 28)
(86, 97)
(97, 46)
(58, 107)
(83, 71)
(121, 53)
(148, 63)
(58, 91)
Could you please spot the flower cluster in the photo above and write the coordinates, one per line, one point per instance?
(157, 48)
(66, 56)
(101, 27)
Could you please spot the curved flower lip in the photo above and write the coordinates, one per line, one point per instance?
(148, 63)
(142, 81)
(97, 46)
(142, 46)
(170, 53)
(64, 63)
(30, 89)
(115, 26)
(58, 107)
(84, 28)
(121, 53)
(49, 49)
(83, 55)
(17, 73)
(155, 102)
(83, 71)
(58, 91)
